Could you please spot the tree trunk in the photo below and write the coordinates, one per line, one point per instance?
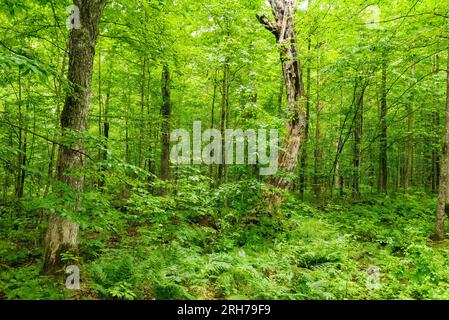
(22, 137)
(357, 150)
(212, 123)
(283, 28)
(100, 109)
(165, 127)
(127, 111)
(436, 126)
(444, 174)
(224, 113)
(280, 98)
(62, 234)
(383, 173)
(142, 122)
(318, 163)
(302, 177)
(409, 158)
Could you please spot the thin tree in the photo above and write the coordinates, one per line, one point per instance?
(383, 169)
(165, 126)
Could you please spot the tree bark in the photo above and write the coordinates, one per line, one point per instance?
(62, 233)
(283, 28)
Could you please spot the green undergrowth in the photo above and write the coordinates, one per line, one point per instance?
(227, 244)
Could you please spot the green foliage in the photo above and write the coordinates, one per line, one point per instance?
(115, 279)
(24, 283)
(227, 240)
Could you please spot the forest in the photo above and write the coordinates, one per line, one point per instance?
(224, 150)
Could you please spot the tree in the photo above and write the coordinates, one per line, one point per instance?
(165, 127)
(444, 170)
(62, 233)
(383, 163)
(283, 28)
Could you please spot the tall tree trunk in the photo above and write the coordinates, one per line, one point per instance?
(106, 124)
(165, 127)
(7, 164)
(357, 149)
(318, 163)
(283, 28)
(223, 122)
(436, 125)
(21, 157)
(444, 171)
(100, 108)
(150, 131)
(62, 233)
(409, 159)
(302, 177)
(212, 122)
(127, 111)
(142, 122)
(383, 173)
(105, 132)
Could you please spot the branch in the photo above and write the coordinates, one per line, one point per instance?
(269, 25)
(46, 139)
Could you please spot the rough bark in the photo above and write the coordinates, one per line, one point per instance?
(62, 234)
(283, 28)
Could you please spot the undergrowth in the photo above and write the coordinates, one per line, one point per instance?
(226, 244)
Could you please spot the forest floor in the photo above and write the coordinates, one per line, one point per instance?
(379, 248)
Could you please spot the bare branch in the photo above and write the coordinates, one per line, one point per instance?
(269, 25)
